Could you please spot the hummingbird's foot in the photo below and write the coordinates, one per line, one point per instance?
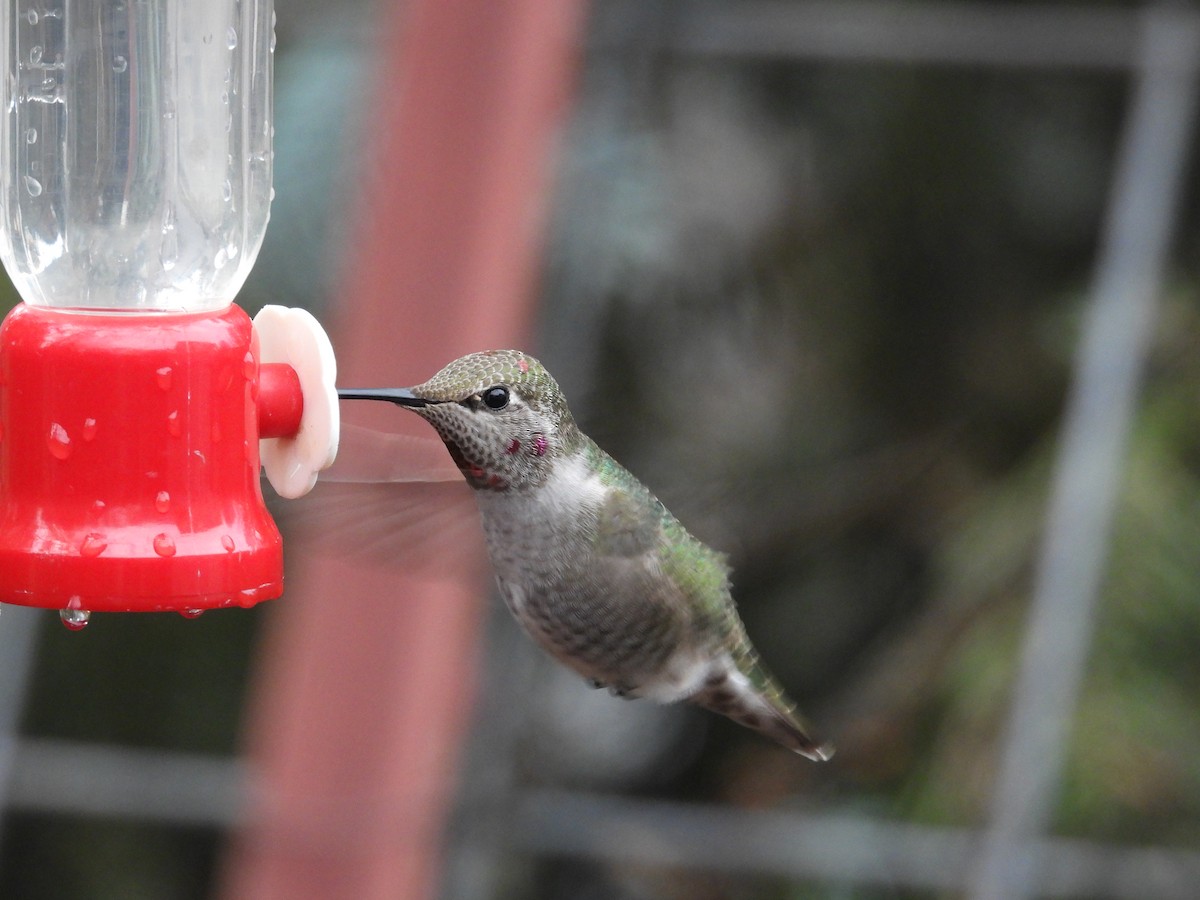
(617, 690)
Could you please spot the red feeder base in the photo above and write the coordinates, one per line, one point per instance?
(129, 467)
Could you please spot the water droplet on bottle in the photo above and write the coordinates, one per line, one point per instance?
(32, 16)
(227, 190)
(93, 545)
(231, 38)
(35, 54)
(120, 64)
(74, 619)
(58, 441)
(174, 428)
(163, 377)
(31, 135)
(191, 613)
(32, 185)
(89, 429)
(162, 501)
(227, 543)
(164, 545)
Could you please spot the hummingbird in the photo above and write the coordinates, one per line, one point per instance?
(587, 559)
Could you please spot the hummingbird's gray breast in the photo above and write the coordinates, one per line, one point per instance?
(579, 563)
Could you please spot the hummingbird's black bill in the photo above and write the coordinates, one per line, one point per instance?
(399, 396)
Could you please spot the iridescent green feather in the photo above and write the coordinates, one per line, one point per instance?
(700, 572)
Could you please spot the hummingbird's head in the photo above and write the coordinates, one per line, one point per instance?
(500, 414)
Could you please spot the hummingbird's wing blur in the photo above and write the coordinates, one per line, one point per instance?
(388, 499)
(369, 456)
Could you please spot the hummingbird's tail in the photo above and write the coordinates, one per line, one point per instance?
(758, 702)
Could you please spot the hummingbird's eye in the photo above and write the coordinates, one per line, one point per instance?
(496, 397)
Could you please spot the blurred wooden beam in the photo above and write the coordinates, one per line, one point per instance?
(1008, 36)
(849, 848)
(838, 848)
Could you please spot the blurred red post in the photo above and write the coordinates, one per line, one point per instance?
(365, 678)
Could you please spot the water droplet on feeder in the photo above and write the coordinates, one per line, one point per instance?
(227, 543)
(191, 613)
(58, 441)
(173, 426)
(120, 64)
(93, 545)
(162, 501)
(89, 429)
(163, 377)
(164, 545)
(32, 185)
(74, 619)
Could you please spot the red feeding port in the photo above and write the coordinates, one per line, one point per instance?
(129, 461)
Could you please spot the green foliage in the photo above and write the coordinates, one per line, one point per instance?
(1133, 773)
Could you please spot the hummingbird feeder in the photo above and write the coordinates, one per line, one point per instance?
(136, 400)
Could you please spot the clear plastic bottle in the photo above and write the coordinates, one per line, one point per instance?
(135, 150)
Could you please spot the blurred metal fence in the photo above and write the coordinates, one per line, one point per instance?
(1014, 856)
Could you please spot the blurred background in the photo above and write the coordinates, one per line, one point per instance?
(893, 302)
